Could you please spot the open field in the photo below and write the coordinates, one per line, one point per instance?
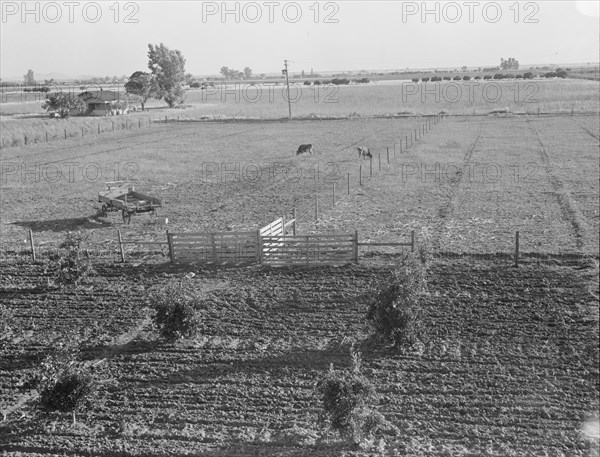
(384, 97)
(509, 364)
(535, 175)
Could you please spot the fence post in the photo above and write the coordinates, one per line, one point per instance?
(395, 149)
(360, 175)
(65, 134)
(82, 131)
(294, 226)
(388, 153)
(25, 140)
(259, 247)
(379, 159)
(32, 245)
(332, 194)
(120, 245)
(316, 207)
(170, 241)
(406, 138)
(356, 246)
(371, 167)
(139, 123)
(412, 241)
(517, 249)
(348, 183)
(538, 112)
(113, 125)
(401, 147)
(46, 137)
(98, 129)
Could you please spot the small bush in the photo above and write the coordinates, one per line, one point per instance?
(63, 384)
(70, 265)
(67, 392)
(394, 311)
(175, 315)
(347, 397)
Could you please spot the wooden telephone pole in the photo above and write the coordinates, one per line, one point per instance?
(287, 82)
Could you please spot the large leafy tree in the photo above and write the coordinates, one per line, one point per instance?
(168, 68)
(143, 85)
(63, 103)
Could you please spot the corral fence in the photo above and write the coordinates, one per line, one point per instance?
(222, 248)
(275, 244)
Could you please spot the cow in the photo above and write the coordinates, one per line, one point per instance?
(364, 152)
(304, 148)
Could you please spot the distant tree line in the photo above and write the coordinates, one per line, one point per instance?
(559, 73)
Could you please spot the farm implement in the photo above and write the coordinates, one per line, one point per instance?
(122, 197)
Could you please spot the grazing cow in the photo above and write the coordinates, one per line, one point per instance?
(364, 152)
(304, 148)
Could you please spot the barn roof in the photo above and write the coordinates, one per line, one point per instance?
(99, 96)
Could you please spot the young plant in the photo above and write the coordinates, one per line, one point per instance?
(70, 265)
(63, 384)
(394, 312)
(347, 397)
(175, 315)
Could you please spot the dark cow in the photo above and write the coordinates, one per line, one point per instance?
(364, 152)
(304, 148)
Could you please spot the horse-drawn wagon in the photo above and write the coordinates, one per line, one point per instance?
(122, 197)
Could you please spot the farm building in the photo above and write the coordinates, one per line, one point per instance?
(104, 102)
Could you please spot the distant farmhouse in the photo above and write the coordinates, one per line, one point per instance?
(104, 102)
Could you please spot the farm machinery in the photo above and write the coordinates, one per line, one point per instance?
(121, 196)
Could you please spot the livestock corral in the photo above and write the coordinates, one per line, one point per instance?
(508, 363)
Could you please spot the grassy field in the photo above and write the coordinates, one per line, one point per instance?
(535, 175)
(509, 361)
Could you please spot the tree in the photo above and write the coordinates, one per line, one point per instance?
(464, 68)
(225, 72)
(29, 78)
(247, 72)
(168, 69)
(143, 85)
(63, 103)
(509, 64)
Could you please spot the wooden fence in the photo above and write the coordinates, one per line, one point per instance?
(308, 249)
(223, 248)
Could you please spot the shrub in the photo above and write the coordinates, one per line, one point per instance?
(447, 78)
(175, 315)
(528, 75)
(415, 80)
(487, 77)
(425, 80)
(67, 391)
(63, 384)
(347, 397)
(394, 311)
(466, 78)
(70, 265)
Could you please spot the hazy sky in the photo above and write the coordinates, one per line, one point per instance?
(110, 38)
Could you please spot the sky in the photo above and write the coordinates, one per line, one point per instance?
(107, 38)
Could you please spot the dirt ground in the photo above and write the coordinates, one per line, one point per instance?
(508, 365)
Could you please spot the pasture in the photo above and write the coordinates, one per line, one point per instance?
(510, 364)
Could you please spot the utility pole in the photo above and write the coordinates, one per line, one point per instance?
(287, 82)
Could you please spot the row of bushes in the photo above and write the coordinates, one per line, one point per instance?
(528, 75)
(36, 89)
